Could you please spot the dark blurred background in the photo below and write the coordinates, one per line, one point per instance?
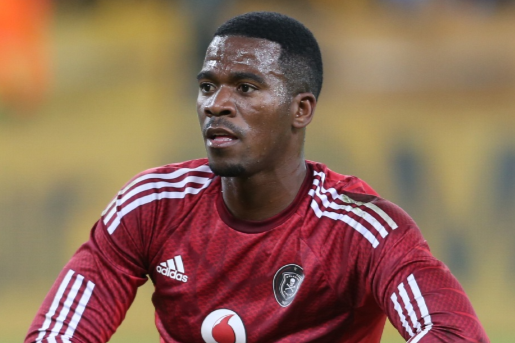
(419, 100)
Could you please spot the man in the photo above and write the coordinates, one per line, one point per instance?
(255, 244)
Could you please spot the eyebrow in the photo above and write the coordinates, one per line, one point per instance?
(235, 76)
(205, 75)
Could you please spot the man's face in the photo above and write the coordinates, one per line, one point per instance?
(243, 106)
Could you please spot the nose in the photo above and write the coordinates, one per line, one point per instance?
(220, 103)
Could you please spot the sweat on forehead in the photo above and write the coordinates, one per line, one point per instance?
(242, 44)
(235, 50)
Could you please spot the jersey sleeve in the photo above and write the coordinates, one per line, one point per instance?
(420, 296)
(91, 295)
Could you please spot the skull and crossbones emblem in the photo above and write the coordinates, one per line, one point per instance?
(287, 282)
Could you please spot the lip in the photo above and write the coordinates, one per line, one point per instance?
(220, 137)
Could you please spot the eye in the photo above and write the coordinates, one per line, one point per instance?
(246, 88)
(206, 87)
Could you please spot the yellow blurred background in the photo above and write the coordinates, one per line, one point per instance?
(418, 100)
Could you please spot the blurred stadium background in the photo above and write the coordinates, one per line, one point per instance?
(419, 100)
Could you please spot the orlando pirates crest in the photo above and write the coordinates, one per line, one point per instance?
(287, 281)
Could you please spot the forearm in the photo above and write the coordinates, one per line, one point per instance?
(87, 302)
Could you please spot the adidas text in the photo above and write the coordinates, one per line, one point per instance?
(172, 274)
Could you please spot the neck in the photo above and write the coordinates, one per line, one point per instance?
(265, 194)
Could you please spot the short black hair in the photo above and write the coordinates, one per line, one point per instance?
(300, 59)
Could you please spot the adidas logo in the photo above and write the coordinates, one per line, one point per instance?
(173, 269)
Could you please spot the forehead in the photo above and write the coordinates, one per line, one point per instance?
(235, 52)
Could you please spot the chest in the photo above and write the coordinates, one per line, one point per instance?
(212, 280)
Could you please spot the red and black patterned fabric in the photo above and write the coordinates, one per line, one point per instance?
(329, 268)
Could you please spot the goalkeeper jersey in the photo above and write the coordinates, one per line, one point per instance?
(329, 268)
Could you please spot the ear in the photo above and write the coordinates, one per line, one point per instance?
(303, 108)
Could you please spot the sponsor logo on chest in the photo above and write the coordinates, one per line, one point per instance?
(223, 326)
(173, 268)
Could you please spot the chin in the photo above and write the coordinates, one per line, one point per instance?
(227, 170)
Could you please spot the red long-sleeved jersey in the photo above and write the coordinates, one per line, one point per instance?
(329, 268)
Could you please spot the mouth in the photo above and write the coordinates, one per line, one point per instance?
(220, 138)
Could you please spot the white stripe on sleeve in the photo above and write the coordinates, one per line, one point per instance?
(153, 185)
(347, 199)
(347, 220)
(152, 197)
(55, 303)
(66, 308)
(79, 311)
(165, 176)
(382, 214)
(424, 312)
(421, 304)
(332, 209)
(356, 210)
(398, 308)
(409, 308)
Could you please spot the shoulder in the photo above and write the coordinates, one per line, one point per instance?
(169, 181)
(353, 231)
(149, 188)
(171, 177)
(353, 206)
